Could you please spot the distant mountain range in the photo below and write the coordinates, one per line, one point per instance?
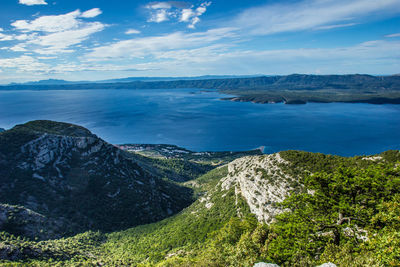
(133, 79)
(289, 82)
(290, 89)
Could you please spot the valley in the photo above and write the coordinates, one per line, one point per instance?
(162, 205)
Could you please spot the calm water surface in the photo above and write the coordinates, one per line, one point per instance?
(199, 121)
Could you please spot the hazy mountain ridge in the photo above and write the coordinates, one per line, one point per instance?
(131, 79)
(290, 89)
(289, 82)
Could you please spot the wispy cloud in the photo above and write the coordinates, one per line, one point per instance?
(182, 11)
(6, 37)
(367, 57)
(335, 26)
(57, 33)
(23, 64)
(40, 45)
(60, 41)
(192, 15)
(91, 13)
(393, 35)
(150, 46)
(32, 2)
(18, 48)
(132, 31)
(310, 14)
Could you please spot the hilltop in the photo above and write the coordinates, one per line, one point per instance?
(292, 208)
(62, 178)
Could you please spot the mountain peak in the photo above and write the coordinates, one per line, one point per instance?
(53, 127)
(73, 177)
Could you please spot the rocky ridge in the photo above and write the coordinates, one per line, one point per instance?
(67, 174)
(262, 182)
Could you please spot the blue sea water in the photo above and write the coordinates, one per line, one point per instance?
(200, 121)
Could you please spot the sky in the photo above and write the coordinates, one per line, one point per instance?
(103, 39)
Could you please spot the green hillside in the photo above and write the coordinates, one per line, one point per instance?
(336, 209)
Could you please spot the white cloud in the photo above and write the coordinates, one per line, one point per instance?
(23, 64)
(32, 2)
(195, 20)
(393, 35)
(159, 5)
(91, 13)
(57, 33)
(151, 46)
(60, 41)
(46, 58)
(160, 16)
(192, 15)
(49, 23)
(310, 14)
(5, 37)
(164, 11)
(18, 48)
(187, 13)
(329, 27)
(209, 57)
(132, 31)
(20, 37)
(216, 58)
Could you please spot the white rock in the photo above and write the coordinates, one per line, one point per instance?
(261, 193)
(329, 264)
(263, 264)
(37, 176)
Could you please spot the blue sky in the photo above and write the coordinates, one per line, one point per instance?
(99, 39)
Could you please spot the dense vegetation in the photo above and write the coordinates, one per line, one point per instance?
(316, 95)
(214, 158)
(347, 213)
(179, 164)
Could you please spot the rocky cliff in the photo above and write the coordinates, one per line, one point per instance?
(262, 182)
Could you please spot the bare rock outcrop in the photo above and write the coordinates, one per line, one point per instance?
(262, 182)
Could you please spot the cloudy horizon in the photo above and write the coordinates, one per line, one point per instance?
(95, 40)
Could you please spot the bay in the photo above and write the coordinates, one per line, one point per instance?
(200, 121)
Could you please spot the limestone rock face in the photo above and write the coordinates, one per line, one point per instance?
(329, 264)
(263, 264)
(262, 182)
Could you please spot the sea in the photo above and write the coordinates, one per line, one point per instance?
(200, 121)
